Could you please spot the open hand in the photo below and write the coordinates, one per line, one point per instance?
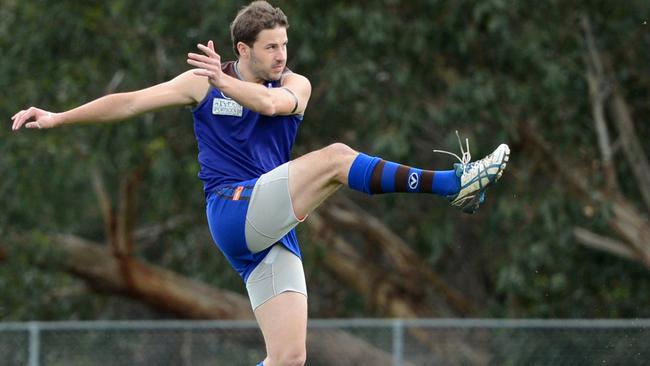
(35, 118)
(209, 63)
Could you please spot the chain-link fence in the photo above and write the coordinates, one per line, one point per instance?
(357, 342)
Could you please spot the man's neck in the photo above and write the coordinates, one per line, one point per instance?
(243, 73)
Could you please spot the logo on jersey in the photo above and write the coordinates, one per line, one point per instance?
(237, 194)
(413, 180)
(226, 107)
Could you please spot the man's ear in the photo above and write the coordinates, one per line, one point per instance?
(243, 49)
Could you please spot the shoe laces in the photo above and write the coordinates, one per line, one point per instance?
(466, 156)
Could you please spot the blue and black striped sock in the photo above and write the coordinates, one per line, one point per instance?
(373, 175)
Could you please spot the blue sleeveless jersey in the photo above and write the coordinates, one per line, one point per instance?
(236, 145)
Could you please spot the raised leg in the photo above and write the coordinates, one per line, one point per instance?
(315, 176)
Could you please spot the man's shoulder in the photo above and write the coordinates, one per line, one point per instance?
(290, 76)
(194, 86)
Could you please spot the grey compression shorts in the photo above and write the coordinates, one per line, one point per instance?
(270, 216)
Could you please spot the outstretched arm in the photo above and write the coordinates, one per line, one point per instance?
(185, 89)
(290, 99)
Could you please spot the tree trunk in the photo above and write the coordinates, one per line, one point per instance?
(150, 284)
(169, 291)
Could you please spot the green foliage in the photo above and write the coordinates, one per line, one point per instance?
(391, 78)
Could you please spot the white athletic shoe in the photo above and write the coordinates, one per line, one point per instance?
(476, 177)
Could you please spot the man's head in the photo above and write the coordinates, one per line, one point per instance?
(254, 18)
(259, 37)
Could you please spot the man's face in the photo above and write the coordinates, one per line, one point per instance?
(268, 56)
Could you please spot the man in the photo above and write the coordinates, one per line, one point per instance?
(246, 116)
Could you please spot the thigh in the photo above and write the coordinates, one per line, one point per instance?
(280, 271)
(283, 321)
(317, 175)
(270, 214)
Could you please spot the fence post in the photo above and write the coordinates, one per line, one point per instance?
(398, 342)
(34, 344)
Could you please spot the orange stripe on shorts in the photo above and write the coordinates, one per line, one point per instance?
(237, 193)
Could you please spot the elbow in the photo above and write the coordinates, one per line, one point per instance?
(130, 106)
(269, 104)
(268, 108)
(129, 110)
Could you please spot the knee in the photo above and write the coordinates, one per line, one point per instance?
(337, 158)
(289, 357)
(338, 150)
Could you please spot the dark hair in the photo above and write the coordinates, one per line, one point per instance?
(252, 19)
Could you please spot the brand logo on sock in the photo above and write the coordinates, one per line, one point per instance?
(413, 180)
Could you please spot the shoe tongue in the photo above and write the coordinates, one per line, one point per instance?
(459, 169)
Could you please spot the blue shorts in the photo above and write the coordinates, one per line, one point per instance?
(231, 221)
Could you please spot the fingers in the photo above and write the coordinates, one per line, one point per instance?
(203, 65)
(201, 72)
(203, 58)
(208, 64)
(23, 116)
(16, 115)
(32, 118)
(209, 60)
(208, 50)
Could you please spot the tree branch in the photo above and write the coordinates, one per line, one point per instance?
(599, 90)
(104, 204)
(383, 287)
(127, 210)
(626, 221)
(603, 243)
(115, 82)
(406, 263)
(150, 233)
(632, 147)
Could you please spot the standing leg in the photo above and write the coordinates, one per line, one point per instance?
(283, 320)
(278, 294)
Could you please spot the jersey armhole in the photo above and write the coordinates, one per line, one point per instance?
(205, 99)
